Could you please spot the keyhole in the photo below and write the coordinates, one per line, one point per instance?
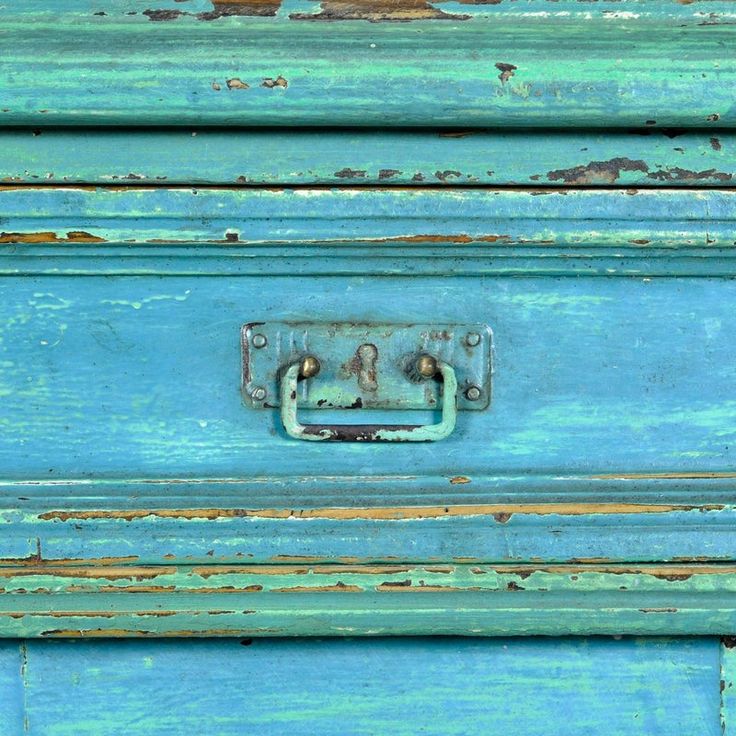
(367, 374)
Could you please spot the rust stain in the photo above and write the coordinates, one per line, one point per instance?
(392, 588)
(715, 144)
(677, 174)
(220, 9)
(270, 83)
(388, 173)
(459, 480)
(327, 569)
(507, 71)
(73, 236)
(377, 11)
(658, 610)
(598, 172)
(121, 573)
(348, 173)
(387, 513)
(236, 83)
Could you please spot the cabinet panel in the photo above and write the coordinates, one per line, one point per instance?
(435, 686)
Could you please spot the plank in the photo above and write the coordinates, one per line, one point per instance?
(13, 663)
(195, 65)
(309, 600)
(405, 686)
(387, 158)
(145, 449)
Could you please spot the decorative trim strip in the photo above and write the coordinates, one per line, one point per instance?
(304, 600)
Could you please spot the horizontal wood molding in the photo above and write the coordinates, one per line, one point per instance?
(204, 156)
(533, 64)
(114, 524)
(353, 231)
(306, 600)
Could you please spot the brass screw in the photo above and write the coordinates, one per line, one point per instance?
(309, 367)
(426, 366)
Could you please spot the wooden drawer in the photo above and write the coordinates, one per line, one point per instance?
(338, 686)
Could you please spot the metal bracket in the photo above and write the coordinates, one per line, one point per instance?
(369, 366)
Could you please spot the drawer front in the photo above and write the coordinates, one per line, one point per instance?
(448, 686)
(140, 375)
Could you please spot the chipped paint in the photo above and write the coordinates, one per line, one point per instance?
(503, 511)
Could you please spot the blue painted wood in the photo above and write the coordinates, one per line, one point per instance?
(435, 686)
(139, 377)
(13, 662)
(321, 232)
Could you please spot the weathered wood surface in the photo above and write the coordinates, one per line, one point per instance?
(650, 158)
(441, 686)
(419, 63)
(304, 600)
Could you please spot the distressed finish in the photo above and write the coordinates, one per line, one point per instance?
(387, 64)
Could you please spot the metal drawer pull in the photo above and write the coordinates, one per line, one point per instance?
(426, 366)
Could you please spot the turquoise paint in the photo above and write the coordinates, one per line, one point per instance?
(367, 157)
(436, 686)
(568, 71)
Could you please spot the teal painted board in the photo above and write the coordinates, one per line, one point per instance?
(398, 158)
(157, 11)
(170, 65)
(202, 527)
(435, 686)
